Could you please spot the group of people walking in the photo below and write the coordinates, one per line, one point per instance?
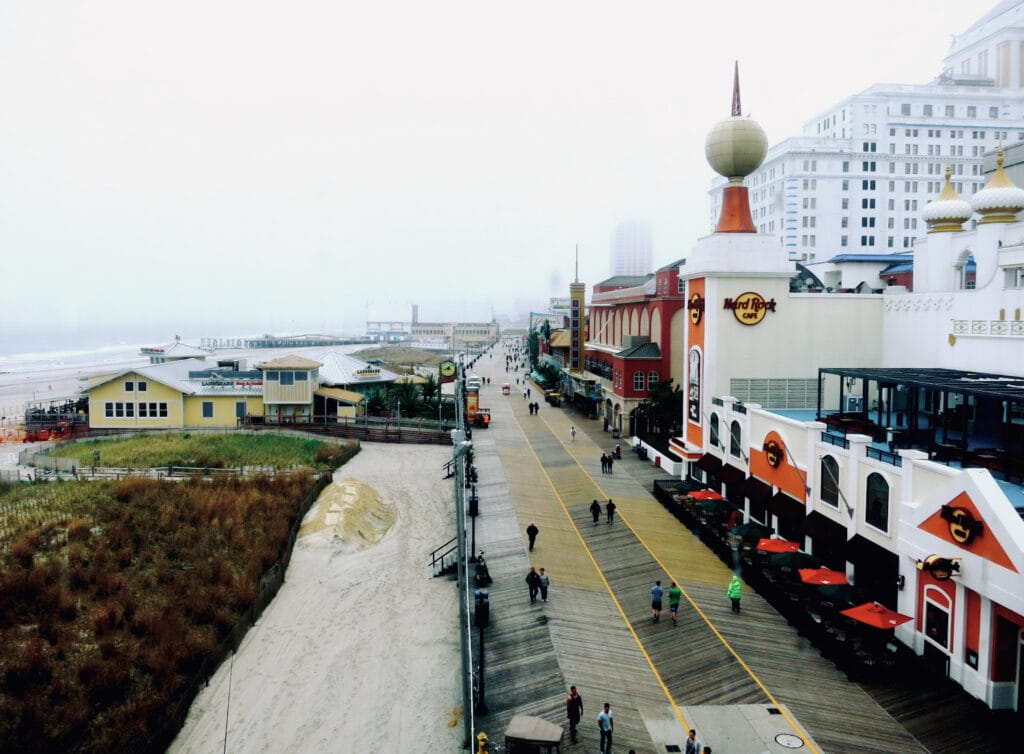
(606, 726)
(609, 507)
(534, 408)
(607, 459)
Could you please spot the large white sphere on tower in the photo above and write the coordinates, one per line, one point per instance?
(735, 147)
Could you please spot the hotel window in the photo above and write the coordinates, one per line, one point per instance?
(713, 430)
(972, 111)
(890, 241)
(141, 386)
(950, 109)
(844, 222)
(926, 111)
(830, 481)
(867, 240)
(868, 167)
(892, 204)
(867, 203)
(846, 166)
(119, 410)
(905, 108)
(867, 222)
(846, 185)
(304, 376)
(652, 379)
(129, 387)
(207, 409)
(143, 410)
(867, 185)
(163, 409)
(891, 223)
(892, 148)
(108, 409)
(287, 378)
(273, 376)
(638, 380)
(735, 439)
(129, 409)
(1015, 277)
(844, 241)
(846, 203)
(876, 504)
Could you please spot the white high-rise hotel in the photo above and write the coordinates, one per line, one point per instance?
(858, 178)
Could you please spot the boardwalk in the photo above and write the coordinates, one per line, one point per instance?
(596, 630)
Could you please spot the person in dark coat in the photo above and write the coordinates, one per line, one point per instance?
(574, 711)
(531, 533)
(610, 508)
(595, 511)
(533, 582)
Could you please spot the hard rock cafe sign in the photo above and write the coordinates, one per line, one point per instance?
(774, 453)
(749, 308)
(695, 306)
(963, 526)
(940, 568)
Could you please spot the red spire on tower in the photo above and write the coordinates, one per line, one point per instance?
(736, 110)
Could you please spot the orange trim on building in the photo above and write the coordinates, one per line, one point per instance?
(770, 463)
(983, 544)
(696, 305)
(972, 631)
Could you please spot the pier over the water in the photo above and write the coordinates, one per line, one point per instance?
(284, 341)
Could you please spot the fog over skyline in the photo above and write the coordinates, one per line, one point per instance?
(208, 167)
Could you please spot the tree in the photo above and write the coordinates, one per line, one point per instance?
(663, 409)
(377, 402)
(431, 388)
(408, 393)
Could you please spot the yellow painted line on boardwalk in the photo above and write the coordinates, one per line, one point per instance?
(600, 573)
(714, 629)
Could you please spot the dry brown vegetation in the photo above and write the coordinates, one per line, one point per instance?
(108, 612)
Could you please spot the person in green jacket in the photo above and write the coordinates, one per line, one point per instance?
(733, 592)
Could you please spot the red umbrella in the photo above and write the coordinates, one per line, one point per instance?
(706, 495)
(877, 615)
(822, 576)
(777, 545)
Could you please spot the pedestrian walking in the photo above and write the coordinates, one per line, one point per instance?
(656, 594)
(574, 711)
(529, 392)
(533, 582)
(610, 509)
(733, 592)
(604, 464)
(606, 725)
(595, 511)
(675, 594)
(611, 460)
(544, 583)
(572, 433)
(693, 744)
(531, 533)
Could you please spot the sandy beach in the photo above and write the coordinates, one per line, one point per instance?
(359, 650)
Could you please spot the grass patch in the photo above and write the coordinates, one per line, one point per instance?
(213, 451)
(114, 595)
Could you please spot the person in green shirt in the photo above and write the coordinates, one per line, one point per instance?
(674, 595)
(733, 592)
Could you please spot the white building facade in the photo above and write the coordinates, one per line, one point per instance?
(858, 177)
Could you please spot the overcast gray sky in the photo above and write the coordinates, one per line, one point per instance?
(272, 166)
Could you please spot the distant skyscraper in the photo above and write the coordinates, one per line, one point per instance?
(632, 249)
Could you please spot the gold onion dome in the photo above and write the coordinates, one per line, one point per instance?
(1000, 200)
(947, 212)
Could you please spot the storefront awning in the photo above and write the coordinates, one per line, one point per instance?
(350, 397)
(755, 489)
(709, 463)
(823, 528)
(785, 507)
(731, 475)
(862, 550)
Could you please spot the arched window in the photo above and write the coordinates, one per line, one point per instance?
(713, 425)
(638, 380)
(652, 379)
(830, 481)
(876, 504)
(735, 439)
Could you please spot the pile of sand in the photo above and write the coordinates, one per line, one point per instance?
(359, 650)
